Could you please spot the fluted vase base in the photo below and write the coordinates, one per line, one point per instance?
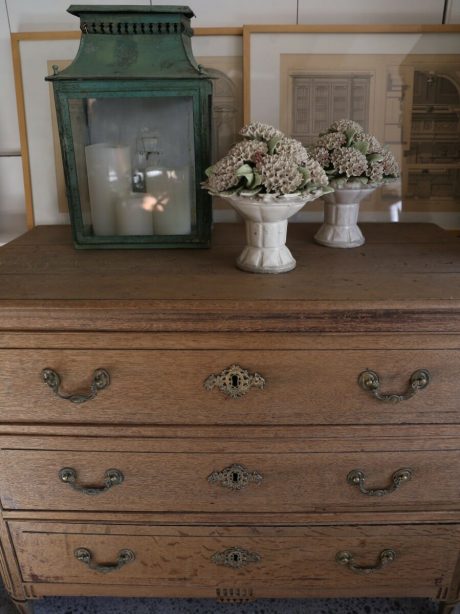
(341, 209)
(266, 220)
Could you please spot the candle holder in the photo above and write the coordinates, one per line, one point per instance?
(133, 112)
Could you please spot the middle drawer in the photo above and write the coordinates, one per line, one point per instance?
(228, 482)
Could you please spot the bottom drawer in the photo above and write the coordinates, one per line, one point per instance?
(269, 561)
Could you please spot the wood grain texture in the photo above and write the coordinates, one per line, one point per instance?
(298, 559)
(405, 279)
(161, 322)
(167, 387)
(178, 482)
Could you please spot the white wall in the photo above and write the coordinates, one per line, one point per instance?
(48, 15)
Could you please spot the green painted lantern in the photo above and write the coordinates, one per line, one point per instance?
(134, 115)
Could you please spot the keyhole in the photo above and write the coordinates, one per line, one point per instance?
(235, 477)
(236, 557)
(235, 381)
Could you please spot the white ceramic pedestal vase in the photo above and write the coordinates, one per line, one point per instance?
(341, 208)
(266, 219)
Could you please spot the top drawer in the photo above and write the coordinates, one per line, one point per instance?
(168, 387)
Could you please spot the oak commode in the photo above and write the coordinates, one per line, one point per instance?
(173, 427)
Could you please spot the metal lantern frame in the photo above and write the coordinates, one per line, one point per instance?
(138, 52)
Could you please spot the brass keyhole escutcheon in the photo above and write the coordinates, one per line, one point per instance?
(236, 477)
(234, 381)
(235, 557)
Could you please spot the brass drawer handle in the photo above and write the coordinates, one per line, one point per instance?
(369, 381)
(112, 477)
(356, 477)
(235, 477)
(101, 379)
(235, 557)
(234, 381)
(347, 558)
(85, 556)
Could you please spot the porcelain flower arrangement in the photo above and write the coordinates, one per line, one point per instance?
(349, 155)
(267, 177)
(266, 162)
(356, 163)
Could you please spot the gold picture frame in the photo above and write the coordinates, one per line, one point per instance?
(299, 77)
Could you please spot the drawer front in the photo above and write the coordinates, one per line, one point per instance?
(168, 387)
(272, 561)
(226, 483)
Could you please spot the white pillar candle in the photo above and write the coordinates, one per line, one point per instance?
(171, 192)
(109, 178)
(134, 214)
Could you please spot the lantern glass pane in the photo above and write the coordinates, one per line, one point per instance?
(135, 165)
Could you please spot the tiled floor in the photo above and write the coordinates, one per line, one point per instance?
(196, 606)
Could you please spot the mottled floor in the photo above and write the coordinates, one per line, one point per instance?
(55, 605)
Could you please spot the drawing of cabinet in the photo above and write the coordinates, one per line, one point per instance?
(318, 100)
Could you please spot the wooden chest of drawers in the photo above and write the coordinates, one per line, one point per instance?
(171, 426)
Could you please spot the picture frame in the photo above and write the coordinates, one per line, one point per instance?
(400, 82)
(218, 49)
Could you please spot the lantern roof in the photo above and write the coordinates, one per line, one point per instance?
(133, 42)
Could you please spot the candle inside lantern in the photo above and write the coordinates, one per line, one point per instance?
(109, 179)
(171, 191)
(134, 214)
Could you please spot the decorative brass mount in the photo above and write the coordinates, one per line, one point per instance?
(235, 477)
(235, 557)
(369, 381)
(347, 558)
(356, 477)
(100, 380)
(112, 477)
(85, 556)
(234, 381)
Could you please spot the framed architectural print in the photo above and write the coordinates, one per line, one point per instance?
(401, 83)
(34, 54)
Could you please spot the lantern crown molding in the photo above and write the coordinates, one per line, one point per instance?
(132, 42)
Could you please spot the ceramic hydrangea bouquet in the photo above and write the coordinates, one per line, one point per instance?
(356, 163)
(266, 162)
(351, 156)
(267, 177)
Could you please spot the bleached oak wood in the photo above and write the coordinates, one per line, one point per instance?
(161, 323)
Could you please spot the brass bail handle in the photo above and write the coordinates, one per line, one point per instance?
(86, 557)
(112, 477)
(369, 381)
(347, 559)
(356, 477)
(100, 380)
